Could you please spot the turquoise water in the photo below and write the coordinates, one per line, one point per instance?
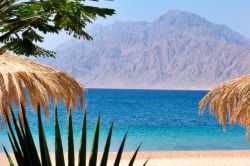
(161, 120)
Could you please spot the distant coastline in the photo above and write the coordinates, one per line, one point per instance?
(160, 89)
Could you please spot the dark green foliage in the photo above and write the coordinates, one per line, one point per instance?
(20, 23)
(26, 154)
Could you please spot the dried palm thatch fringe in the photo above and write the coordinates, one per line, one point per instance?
(43, 83)
(230, 100)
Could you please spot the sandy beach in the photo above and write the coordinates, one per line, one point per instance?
(176, 158)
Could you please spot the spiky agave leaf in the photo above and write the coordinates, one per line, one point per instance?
(11, 131)
(21, 138)
(131, 163)
(14, 143)
(58, 143)
(83, 143)
(71, 152)
(119, 154)
(45, 158)
(8, 156)
(26, 141)
(146, 162)
(18, 155)
(107, 146)
(30, 140)
(94, 149)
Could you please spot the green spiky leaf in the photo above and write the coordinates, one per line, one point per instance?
(94, 149)
(131, 163)
(18, 154)
(21, 138)
(83, 143)
(13, 141)
(71, 152)
(30, 140)
(107, 146)
(24, 146)
(119, 153)
(58, 143)
(8, 157)
(146, 162)
(42, 141)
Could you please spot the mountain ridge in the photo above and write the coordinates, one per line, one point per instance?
(178, 50)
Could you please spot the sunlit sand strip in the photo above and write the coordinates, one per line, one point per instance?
(174, 158)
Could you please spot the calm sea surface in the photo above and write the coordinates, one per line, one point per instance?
(160, 119)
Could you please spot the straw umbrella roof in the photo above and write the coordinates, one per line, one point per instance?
(43, 84)
(230, 100)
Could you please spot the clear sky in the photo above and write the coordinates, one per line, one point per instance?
(232, 13)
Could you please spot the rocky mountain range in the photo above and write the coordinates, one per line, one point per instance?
(178, 50)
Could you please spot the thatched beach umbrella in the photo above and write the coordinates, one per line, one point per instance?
(43, 83)
(230, 100)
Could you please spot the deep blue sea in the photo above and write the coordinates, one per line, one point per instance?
(161, 119)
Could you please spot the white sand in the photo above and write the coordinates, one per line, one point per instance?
(182, 158)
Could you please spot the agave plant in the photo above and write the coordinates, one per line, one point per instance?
(26, 154)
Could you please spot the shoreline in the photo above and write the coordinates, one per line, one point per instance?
(149, 89)
(177, 158)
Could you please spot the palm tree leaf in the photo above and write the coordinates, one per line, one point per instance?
(83, 143)
(58, 143)
(6, 5)
(107, 146)
(71, 17)
(71, 155)
(94, 149)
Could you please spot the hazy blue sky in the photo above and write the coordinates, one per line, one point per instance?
(233, 13)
